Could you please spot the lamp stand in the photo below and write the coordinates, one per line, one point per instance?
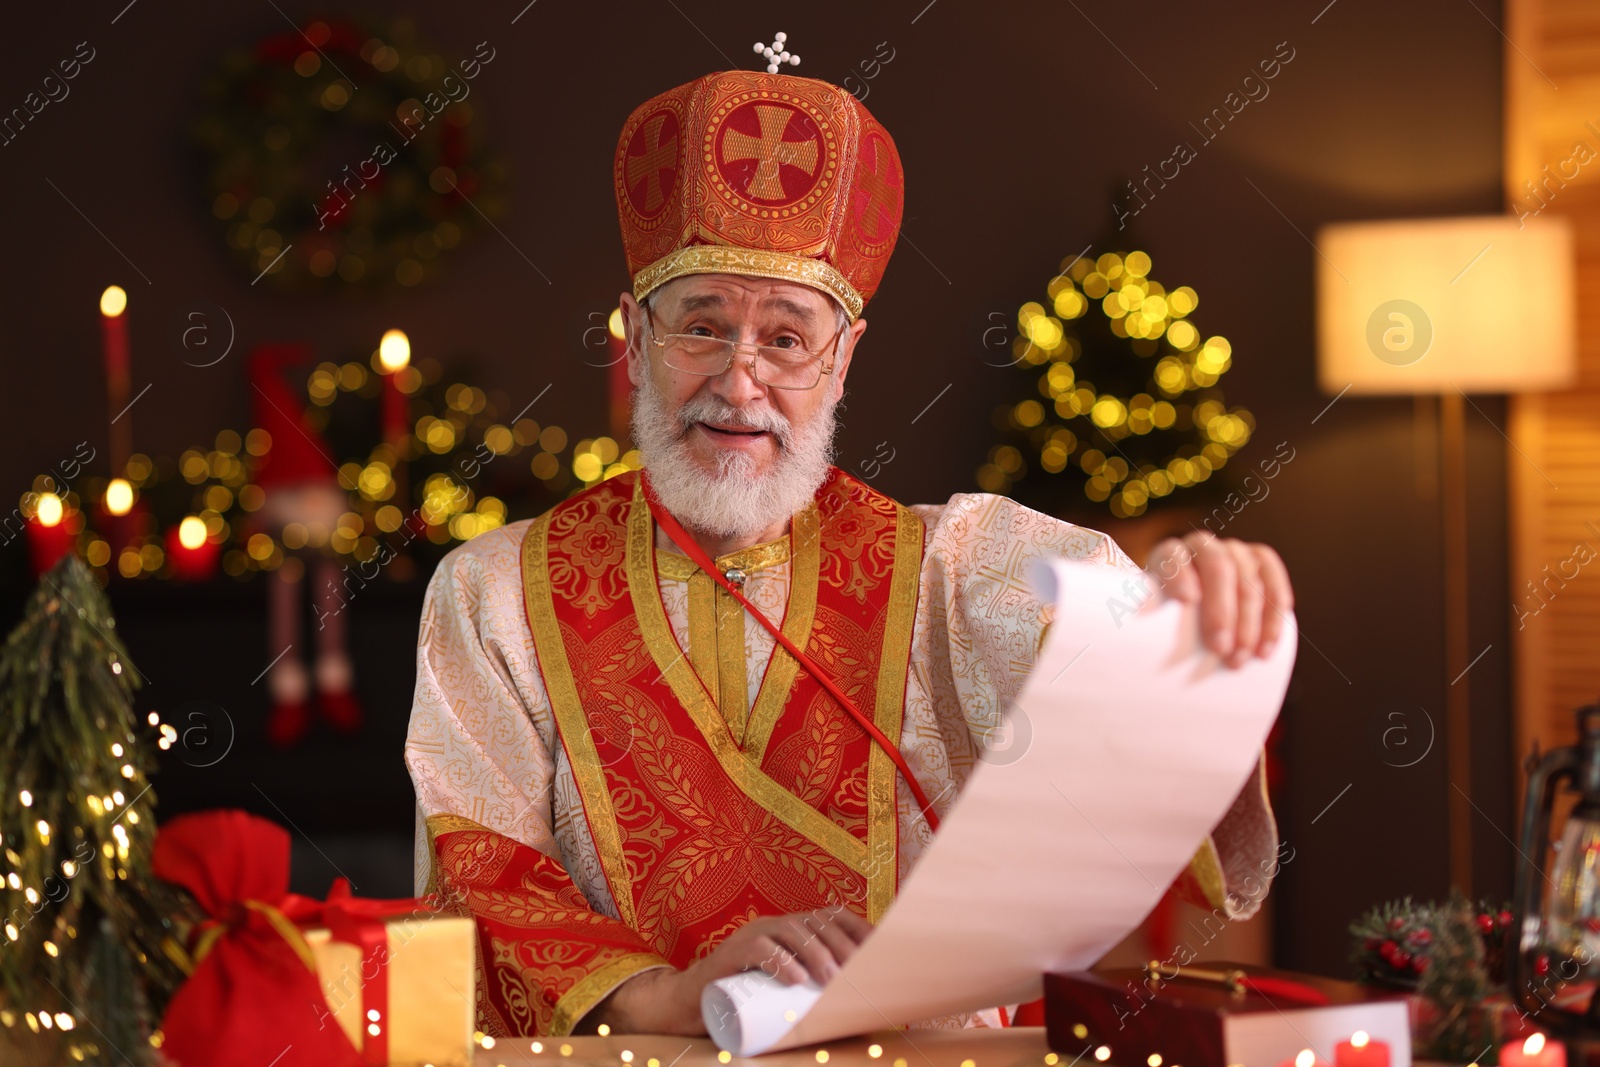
(1458, 708)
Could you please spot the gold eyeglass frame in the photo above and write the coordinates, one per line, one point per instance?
(733, 347)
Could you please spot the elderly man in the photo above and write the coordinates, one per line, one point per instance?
(705, 718)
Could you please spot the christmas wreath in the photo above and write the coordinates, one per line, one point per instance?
(339, 157)
(1123, 393)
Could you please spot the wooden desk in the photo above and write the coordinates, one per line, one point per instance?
(1020, 1046)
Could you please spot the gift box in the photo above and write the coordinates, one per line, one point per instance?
(1216, 1015)
(345, 982)
(403, 995)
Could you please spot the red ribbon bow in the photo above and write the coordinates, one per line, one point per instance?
(255, 988)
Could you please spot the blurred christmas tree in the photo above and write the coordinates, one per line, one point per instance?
(1122, 394)
(83, 965)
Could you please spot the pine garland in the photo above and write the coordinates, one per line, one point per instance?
(1449, 953)
(84, 952)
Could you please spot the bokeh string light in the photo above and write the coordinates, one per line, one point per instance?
(212, 493)
(1125, 389)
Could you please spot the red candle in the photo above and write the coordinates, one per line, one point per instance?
(1361, 1051)
(394, 356)
(1534, 1052)
(114, 336)
(619, 388)
(192, 554)
(51, 533)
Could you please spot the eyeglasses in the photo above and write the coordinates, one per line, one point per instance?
(779, 368)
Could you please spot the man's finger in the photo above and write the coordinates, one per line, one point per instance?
(1275, 578)
(830, 933)
(852, 924)
(1172, 566)
(1251, 603)
(775, 959)
(1219, 596)
(815, 954)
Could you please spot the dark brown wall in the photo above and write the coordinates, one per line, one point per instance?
(1013, 120)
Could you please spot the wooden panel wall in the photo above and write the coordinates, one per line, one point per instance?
(1552, 166)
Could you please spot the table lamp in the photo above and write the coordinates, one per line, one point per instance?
(1448, 307)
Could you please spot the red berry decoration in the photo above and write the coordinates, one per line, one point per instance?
(1486, 923)
(1505, 918)
(1397, 924)
(1421, 937)
(1541, 966)
(1421, 966)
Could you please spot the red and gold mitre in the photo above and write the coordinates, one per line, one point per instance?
(768, 175)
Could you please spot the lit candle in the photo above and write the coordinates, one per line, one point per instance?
(1361, 1051)
(1304, 1058)
(51, 532)
(114, 336)
(194, 557)
(394, 356)
(1534, 1052)
(620, 389)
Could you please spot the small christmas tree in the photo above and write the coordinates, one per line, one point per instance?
(1122, 394)
(85, 963)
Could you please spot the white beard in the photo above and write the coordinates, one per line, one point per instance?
(734, 502)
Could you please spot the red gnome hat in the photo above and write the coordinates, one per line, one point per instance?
(298, 454)
(767, 175)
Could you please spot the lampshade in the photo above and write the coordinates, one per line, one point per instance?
(1481, 304)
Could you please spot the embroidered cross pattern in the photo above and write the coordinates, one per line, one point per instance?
(771, 151)
(659, 154)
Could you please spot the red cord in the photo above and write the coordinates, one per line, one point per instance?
(681, 538)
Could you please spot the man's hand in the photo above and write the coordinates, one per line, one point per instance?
(791, 948)
(1242, 589)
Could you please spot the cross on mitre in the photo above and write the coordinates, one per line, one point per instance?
(776, 54)
(769, 150)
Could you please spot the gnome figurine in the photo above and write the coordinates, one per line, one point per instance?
(301, 483)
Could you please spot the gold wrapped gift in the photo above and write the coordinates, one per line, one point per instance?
(429, 968)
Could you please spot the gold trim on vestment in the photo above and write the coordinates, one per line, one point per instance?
(798, 618)
(751, 262)
(572, 723)
(703, 632)
(888, 714)
(733, 686)
(681, 568)
(744, 771)
(594, 987)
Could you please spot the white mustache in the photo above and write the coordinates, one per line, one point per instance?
(710, 409)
